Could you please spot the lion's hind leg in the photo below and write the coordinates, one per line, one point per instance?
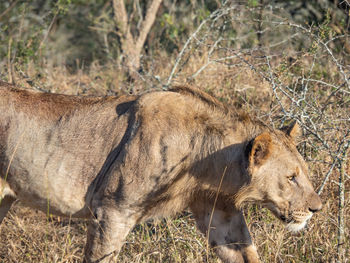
(106, 233)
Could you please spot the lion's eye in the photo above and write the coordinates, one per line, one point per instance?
(292, 178)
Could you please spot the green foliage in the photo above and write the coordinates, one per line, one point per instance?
(62, 6)
(172, 30)
(203, 13)
(253, 3)
(20, 38)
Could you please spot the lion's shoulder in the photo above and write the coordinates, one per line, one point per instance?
(200, 96)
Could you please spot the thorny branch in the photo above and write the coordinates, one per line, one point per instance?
(319, 104)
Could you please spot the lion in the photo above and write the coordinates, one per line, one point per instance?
(119, 161)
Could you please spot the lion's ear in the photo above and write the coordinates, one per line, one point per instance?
(259, 149)
(293, 131)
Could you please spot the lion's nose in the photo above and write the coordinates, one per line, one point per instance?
(315, 204)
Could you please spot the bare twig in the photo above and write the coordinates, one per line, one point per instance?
(213, 17)
(342, 148)
(7, 10)
(9, 63)
(47, 31)
(179, 57)
(341, 226)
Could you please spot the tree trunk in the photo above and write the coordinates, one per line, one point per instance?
(132, 45)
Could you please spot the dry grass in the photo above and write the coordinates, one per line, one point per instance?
(29, 236)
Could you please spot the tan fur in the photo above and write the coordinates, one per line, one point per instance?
(5, 189)
(121, 161)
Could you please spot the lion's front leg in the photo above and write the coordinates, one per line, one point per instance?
(106, 234)
(5, 205)
(228, 233)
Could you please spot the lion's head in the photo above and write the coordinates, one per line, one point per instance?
(279, 178)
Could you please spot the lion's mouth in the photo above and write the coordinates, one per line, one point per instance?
(294, 221)
(285, 219)
(294, 224)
